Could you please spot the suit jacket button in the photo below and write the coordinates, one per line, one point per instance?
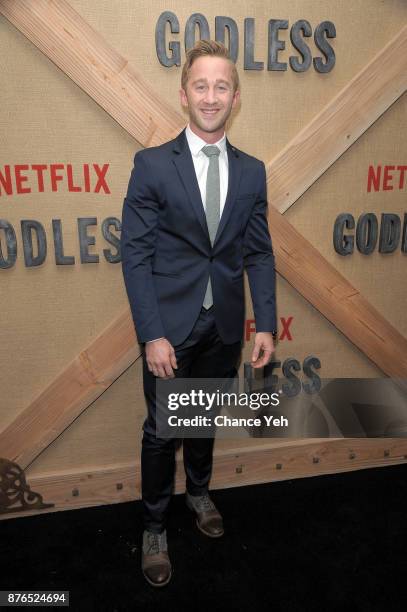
(211, 258)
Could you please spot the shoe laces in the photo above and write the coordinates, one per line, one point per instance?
(153, 542)
(204, 504)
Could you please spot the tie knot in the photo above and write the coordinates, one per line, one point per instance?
(211, 150)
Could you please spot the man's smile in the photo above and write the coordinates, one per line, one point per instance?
(209, 111)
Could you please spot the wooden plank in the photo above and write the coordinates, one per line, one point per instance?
(269, 463)
(337, 126)
(304, 268)
(71, 392)
(83, 54)
(325, 288)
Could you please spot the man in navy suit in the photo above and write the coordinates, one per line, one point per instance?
(195, 216)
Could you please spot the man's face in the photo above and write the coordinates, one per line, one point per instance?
(209, 95)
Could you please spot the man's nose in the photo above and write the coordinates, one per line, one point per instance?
(210, 97)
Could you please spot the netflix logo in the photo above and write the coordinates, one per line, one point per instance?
(285, 330)
(40, 178)
(386, 178)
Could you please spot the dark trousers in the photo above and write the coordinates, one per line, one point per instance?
(201, 355)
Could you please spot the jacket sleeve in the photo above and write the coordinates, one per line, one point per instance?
(138, 243)
(259, 260)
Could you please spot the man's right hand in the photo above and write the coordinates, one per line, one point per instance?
(161, 360)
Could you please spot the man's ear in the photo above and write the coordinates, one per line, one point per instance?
(183, 97)
(236, 97)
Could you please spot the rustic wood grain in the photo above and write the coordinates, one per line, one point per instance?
(82, 53)
(339, 124)
(95, 486)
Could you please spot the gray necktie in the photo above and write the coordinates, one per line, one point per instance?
(212, 205)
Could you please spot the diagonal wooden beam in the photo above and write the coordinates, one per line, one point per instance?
(83, 54)
(339, 124)
(325, 288)
(296, 259)
(79, 384)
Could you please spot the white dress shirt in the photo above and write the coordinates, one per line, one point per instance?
(201, 163)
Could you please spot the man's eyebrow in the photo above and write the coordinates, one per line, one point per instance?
(203, 80)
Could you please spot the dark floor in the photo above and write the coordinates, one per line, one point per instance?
(324, 543)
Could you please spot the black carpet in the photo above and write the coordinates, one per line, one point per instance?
(324, 543)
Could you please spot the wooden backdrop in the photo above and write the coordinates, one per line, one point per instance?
(82, 85)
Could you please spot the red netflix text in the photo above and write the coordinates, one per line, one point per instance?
(38, 178)
(386, 178)
(284, 332)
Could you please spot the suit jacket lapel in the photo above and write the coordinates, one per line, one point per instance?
(235, 172)
(185, 167)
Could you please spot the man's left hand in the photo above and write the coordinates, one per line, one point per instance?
(263, 349)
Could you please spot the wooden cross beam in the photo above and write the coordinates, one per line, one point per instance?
(339, 124)
(82, 54)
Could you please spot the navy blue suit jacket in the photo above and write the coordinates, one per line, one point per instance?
(166, 251)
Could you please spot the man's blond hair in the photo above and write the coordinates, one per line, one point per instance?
(211, 48)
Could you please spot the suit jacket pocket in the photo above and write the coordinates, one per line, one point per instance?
(246, 196)
(169, 274)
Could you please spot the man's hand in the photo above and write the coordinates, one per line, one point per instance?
(263, 343)
(161, 360)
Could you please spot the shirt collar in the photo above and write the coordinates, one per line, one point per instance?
(196, 143)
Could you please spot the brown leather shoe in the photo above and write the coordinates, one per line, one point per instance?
(208, 520)
(155, 562)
